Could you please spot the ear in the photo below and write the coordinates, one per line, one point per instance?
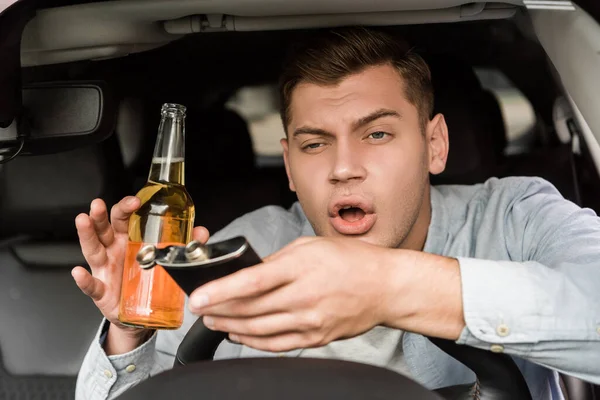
(286, 160)
(437, 143)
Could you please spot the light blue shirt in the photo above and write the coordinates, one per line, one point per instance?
(530, 271)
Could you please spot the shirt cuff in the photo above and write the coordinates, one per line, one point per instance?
(503, 303)
(120, 372)
(523, 303)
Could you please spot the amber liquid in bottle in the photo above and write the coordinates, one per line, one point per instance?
(151, 298)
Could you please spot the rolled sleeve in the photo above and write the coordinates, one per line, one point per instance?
(529, 310)
(106, 377)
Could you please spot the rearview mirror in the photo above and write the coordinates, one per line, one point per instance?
(60, 116)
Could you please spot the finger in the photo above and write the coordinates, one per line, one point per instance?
(279, 343)
(93, 251)
(266, 325)
(120, 213)
(277, 301)
(200, 234)
(248, 282)
(99, 216)
(89, 285)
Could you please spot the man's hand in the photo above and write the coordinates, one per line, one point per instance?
(310, 293)
(103, 243)
(318, 290)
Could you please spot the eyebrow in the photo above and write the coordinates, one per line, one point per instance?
(375, 115)
(307, 130)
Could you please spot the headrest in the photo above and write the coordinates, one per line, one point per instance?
(475, 125)
(218, 144)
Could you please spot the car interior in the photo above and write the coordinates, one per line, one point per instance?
(82, 82)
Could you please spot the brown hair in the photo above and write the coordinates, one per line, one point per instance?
(338, 53)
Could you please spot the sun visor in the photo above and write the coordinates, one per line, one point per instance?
(60, 116)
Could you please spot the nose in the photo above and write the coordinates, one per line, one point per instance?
(347, 164)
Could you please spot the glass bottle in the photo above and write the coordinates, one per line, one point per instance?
(151, 298)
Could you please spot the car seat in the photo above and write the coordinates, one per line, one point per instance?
(477, 134)
(222, 177)
(475, 125)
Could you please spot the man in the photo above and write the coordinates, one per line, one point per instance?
(373, 257)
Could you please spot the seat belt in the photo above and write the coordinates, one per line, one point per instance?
(568, 133)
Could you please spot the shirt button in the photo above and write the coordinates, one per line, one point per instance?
(108, 374)
(281, 355)
(502, 330)
(496, 348)
(130, 368)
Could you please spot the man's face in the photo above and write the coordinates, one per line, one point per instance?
(358, 159)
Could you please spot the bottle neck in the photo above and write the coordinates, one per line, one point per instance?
(169, 151)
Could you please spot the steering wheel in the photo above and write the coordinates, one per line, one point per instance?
(195, 376)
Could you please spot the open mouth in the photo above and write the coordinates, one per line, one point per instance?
(352, 216)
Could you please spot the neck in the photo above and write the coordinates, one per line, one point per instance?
(168, 160)
(418, 234)
(167, 170)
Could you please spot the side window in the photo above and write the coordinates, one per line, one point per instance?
(517, 111)
(258, 105)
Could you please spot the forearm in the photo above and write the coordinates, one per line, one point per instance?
(544, 315)
(424, 293)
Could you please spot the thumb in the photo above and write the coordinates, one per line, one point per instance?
(200, 234)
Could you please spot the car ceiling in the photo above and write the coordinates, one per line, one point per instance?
(111, 29)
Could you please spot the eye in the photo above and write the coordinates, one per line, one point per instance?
(378, 135)
(312, 147)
